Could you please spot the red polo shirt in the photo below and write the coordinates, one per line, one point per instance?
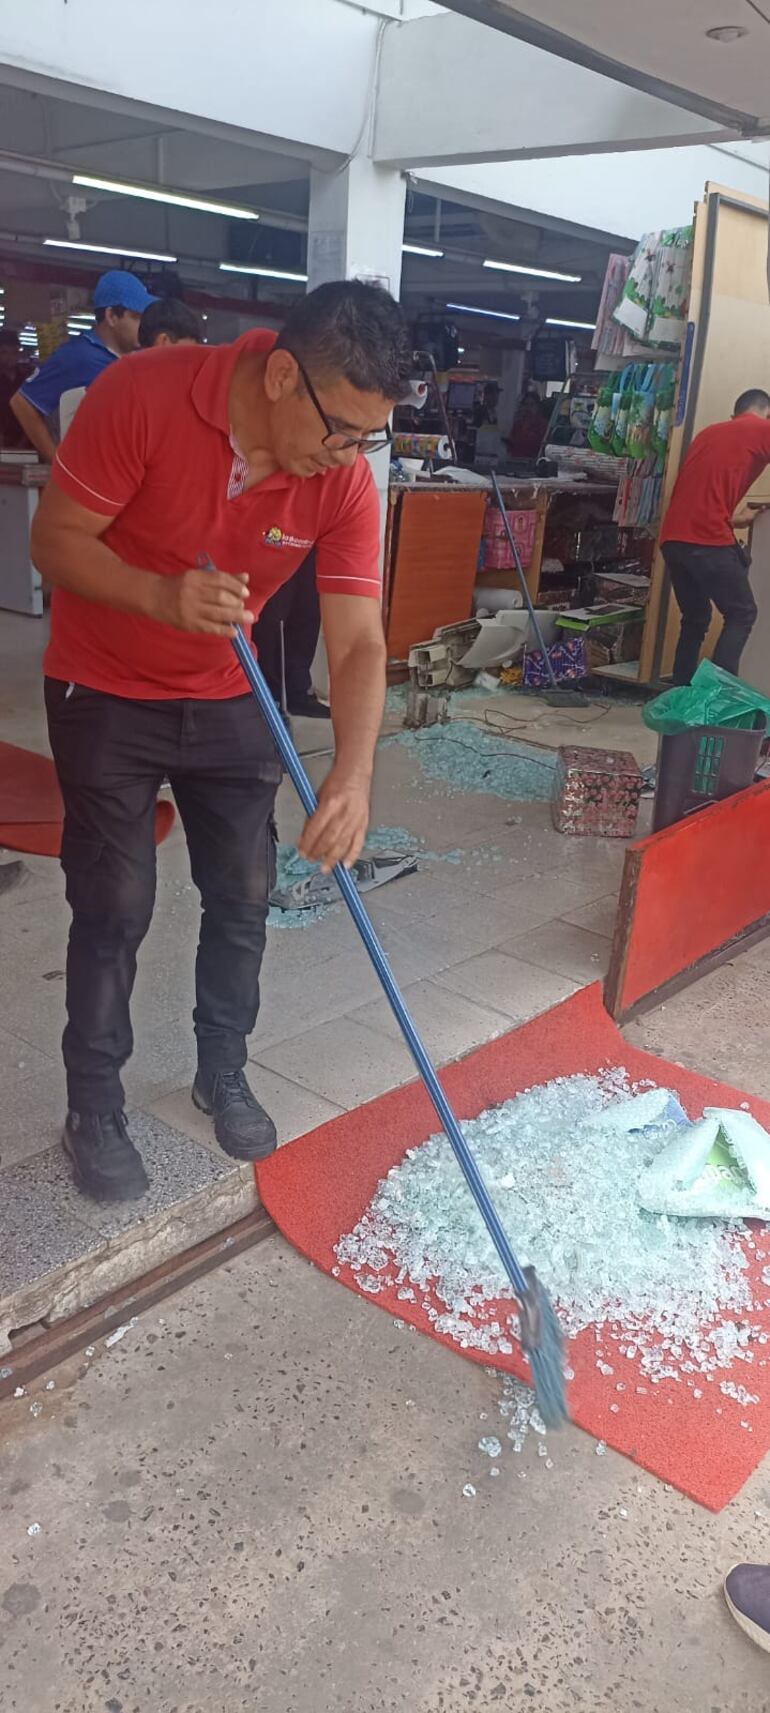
(721, 465)
(150, 448)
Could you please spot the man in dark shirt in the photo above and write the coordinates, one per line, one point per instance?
(703, 558)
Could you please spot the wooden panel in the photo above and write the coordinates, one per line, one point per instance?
(535, 564)
(435, 553)
(673, 460)
(689, 892)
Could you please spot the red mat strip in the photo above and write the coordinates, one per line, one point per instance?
(317, 1188)
(31, 804)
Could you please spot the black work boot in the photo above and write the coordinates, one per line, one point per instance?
(105, 1163)
(242, 1127)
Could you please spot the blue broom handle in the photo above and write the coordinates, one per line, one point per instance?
(307, 796)
(523, 584)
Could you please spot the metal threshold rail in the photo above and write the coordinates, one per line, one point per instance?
(35, 1350)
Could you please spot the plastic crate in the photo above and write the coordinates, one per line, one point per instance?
(703, 765)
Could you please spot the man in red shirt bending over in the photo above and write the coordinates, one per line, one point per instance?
(703, 558)
(249, 455)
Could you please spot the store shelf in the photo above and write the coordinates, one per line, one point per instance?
(626, 670)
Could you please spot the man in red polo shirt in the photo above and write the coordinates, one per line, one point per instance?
(247, 455)
(703, 558)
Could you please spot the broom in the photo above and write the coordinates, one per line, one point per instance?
(539, 1329)
(556, 697)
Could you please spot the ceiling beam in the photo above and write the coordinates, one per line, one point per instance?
(499, 15)
(517, 102)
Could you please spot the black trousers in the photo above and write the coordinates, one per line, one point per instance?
(111, 757)
(701, 576)
(297, 606)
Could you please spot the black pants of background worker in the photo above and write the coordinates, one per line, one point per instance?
(700, 577)
(111, 757)
(296, 606)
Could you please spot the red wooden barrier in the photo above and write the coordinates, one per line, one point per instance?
(691, 895)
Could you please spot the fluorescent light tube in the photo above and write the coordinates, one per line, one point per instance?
(109, 250)
(497, 314)
(538, 273)
(177, 199)
(264, 273)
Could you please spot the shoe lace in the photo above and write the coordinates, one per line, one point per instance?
(232, 1089)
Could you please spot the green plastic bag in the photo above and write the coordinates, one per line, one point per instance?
(714, 698)
(664, 413)
(621, 405)
(640, 417)
(600, 429)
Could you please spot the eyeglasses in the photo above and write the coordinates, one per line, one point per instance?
(339, 439)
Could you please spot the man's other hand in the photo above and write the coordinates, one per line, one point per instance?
(337, 830)
(746, 515)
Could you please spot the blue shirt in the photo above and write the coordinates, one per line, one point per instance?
(76, 363)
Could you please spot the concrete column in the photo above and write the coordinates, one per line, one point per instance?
(356, 224)
(355, 231)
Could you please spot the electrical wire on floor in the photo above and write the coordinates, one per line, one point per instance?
(491, 718)
(422, 732)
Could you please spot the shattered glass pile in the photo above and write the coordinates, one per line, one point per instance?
(562, 1163)
(464, 757)
(290, 867)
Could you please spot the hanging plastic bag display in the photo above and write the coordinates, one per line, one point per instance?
(714, 698)
(653, 305)
(621, 405)
(640, 416)
(600, 428)
(663, 414)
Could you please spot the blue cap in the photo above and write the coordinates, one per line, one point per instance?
(120, 289)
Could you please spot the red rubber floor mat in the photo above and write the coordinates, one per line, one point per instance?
(31, 807)
(317, 1188)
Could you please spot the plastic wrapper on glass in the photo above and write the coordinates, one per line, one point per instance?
(568, 660)
(596, 791)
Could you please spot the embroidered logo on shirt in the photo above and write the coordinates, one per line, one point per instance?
(276, 537)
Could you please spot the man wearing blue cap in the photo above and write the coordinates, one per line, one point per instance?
(119, 299)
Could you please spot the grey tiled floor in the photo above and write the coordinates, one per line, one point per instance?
(478, 945)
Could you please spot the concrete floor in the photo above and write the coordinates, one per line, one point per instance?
(254, 1499)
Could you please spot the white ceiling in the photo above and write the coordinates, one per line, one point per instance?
(659, 45)
(51, 129)
(113, 144)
